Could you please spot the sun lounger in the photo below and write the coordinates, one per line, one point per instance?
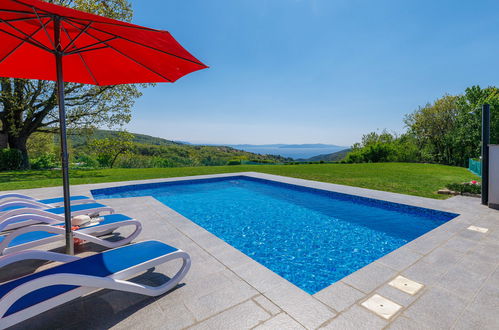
(26, 197)
(36, 235)
(23, 298)
(26, 216)
(13, 204)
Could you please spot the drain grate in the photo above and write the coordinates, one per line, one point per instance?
(478, 229)
(381, 306)
(406, 285)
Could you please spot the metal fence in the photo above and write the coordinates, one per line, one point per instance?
(475, 167)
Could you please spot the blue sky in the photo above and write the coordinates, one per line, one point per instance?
(313, 71)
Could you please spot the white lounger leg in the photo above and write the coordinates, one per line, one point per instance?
(87, 284)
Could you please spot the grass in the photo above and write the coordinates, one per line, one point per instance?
(405, 178)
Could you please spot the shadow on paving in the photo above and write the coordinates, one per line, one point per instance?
(99, 310)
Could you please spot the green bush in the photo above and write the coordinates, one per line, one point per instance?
(160, 162)
(87, 161)
(234, 162)
(44, 162)
(10, 159)
(134, 161)
(466, 187)
(104, 160)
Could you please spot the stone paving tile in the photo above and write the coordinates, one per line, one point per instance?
(471, 235)
(301, 306)
(339, 296)
(404, 323)
(424, 273)
(457, 224)
(69, 315)
(487, 299)
(400, 258)
(464, 280)
(219, 300)
(470, 320)
(486, 252)
(493, 235)
(231, 257)
(202, 285)
(243, 316)
(281, 322)
(176, 316)
(443, 257)
(494, 278)
(430, 241)
(258, 276)
(436, 308)
(460, 244)
(369, 277)
(356, 318)
(268, 305)
(477, 265)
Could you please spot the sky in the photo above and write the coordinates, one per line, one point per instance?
(313, 71)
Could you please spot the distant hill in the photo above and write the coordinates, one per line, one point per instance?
(310, 146)
(152, 151)
(295, 151)
(281, 145)
(333, 157)
(82, 139)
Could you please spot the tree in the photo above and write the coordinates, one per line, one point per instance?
(40, 144)
(449, 130)
(433, 126)
(384, 147)
(468, 136)
(109, 149)
(29, 106)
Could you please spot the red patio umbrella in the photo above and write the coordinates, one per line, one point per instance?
(43, 41)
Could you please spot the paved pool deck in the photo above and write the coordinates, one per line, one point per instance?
(225, 289)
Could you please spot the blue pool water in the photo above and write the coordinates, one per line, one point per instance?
(311, 237)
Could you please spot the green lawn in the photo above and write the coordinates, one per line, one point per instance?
(406, 178)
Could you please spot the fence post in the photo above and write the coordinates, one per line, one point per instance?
(485, 153)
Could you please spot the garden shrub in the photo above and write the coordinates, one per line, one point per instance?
(44, 162)
(133, 161)
(87, 161)
(104, 160)
(467, 187)
(10, 159)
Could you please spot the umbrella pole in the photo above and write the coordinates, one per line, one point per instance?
(64, 143)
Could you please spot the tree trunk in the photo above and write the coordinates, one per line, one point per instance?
(19, 143)
(4, 140)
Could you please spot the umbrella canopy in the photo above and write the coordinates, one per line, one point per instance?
(43, 41)
(96, 50)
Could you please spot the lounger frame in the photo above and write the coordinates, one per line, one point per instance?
(28, 216)
(17, 196)
(87, 284)
(88, 234)
(36, 204)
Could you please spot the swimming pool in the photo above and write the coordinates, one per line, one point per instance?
(310, 237)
